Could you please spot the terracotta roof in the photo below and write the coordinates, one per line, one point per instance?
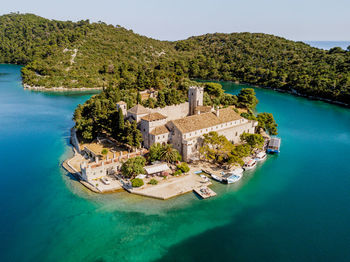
(138, 110)
(202, 109)
(159, 130)
(227, 114)
(153, 117)
(205, 120)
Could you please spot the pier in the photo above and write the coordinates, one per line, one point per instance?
(204, 192)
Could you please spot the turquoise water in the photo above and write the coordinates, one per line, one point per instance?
(294, 207)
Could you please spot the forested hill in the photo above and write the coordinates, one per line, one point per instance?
(84, 54)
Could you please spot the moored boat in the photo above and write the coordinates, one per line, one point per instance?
(250, 164)
(261, 156)
(205, 178)
(230, 178)
(274, 145)
(233, 176)
(215, 177)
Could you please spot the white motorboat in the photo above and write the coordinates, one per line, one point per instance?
(261, 156)
(219, 179)
(205, 178)
(233, 176)
(237, 171)
(230, 178)
(250, 164)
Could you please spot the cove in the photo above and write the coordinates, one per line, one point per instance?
(294, 207)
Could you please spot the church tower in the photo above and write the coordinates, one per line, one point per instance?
(195, 98)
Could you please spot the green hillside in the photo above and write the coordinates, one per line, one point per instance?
(112, 56)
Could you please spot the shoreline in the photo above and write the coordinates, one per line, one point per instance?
(59, 89)
(291, 92)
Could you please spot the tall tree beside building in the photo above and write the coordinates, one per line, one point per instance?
(268, 123)
(247, 98)
(138, 98)
(133, 166)
(169, 154)
(120, 120)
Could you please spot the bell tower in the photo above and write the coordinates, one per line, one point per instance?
(195, 98)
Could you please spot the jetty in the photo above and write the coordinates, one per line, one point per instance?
(204, 192)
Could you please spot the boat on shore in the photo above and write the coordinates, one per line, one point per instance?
(261, 156)
(250, 164)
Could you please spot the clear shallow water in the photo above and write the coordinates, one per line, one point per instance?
(293, 208)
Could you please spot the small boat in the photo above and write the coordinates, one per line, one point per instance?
(219, 179)
(233, 176)
(261, 156)
(230, 178)
(237, 171)
(205, 178)
(250, 164)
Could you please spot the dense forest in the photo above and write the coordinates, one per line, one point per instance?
(83, 54)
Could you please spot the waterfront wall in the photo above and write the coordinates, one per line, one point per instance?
(74, 139)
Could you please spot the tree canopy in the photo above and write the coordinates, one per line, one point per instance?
(133, 166)
(84, 54)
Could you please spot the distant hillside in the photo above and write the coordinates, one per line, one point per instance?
(84, 54)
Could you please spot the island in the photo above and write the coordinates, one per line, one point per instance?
(170, 148)
(65, 55)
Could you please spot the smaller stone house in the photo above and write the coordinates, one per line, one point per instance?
(137, 112)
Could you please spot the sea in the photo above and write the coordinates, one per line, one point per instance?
(292, 207)
(326, 45)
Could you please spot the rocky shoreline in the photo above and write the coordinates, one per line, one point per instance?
(59, 89)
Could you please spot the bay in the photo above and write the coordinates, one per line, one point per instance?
(294, 207)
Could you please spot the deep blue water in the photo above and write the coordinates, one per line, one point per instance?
(294, 207)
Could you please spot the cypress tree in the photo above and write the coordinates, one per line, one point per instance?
(138, 98)
(120, 120)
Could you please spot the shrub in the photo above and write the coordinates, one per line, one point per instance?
(104, 151)
(177, 172)
(137, 182)
(133, 166)
(183, 167)
(153, 182)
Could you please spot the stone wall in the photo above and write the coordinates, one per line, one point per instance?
(74, 139)
(233, 133)
(173, 112)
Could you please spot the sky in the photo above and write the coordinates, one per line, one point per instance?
(313, 20)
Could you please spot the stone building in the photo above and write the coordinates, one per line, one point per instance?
(137, 112)
(186, 132)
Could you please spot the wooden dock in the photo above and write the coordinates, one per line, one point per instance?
(204, 192)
